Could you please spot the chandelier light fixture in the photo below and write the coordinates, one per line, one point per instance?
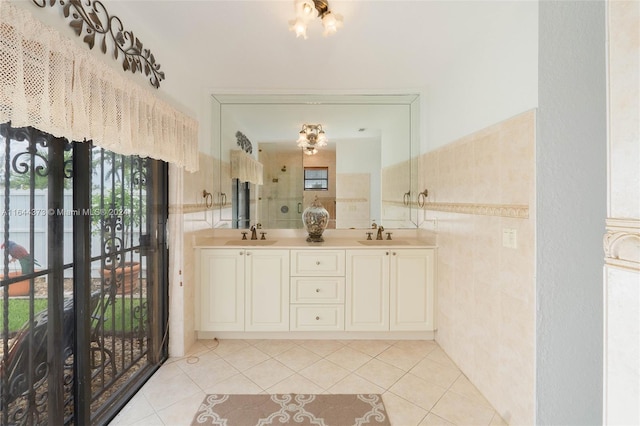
(311, 137)
(307, 10)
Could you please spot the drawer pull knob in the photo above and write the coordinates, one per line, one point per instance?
(317, 290)
(317, 262)
(317, 318)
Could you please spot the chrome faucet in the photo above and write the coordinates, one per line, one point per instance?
(379, 234)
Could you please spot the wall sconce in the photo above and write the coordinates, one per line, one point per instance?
(307, 10)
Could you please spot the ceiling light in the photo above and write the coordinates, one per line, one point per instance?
(311, 137)
(307, 10)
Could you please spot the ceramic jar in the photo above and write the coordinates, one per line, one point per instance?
(315, 219)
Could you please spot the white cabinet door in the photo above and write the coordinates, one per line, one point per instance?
(267, 290)
(367, 295)
(221, 280)
(411, 287)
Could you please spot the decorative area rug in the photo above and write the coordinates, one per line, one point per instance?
(294, 409)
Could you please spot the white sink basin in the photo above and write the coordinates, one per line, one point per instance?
(384, 243)
(250, 242)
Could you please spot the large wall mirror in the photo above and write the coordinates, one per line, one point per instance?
(366, 173)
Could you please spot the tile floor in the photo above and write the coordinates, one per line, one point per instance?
(420, 385)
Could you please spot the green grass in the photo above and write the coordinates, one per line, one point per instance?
(19, 314)
(123, 311)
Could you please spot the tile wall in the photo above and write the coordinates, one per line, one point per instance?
(189, 212)
(353, 200)
(481, 203)
(395, 179)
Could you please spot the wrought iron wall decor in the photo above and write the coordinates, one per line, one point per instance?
(92, 19)
(244, 142)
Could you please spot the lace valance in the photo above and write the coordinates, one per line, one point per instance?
(54, 85)
(245, 168)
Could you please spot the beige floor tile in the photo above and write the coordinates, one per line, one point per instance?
(268, 373)
(151, 420)
(421, 346)
(166, 372)
(225, 347)
(198, 348)
(402, 358)
(418, 391)
(324, 373)
(402, 412)
(296, 384)
(275, 347)
(436, 373)
(297, 358)
(355, 384)
(163, 393)
(370, 347)
(194, 361)
(349, 358)
(322, 347)
(136, 409)
(246, 358)
(462, 386)
(181, 413)
(497, 420)
(440, 357)
(461, 410)
(210, 343)
(416, 374)
(380, 373)
(238, 384)
(206, 374)
(433, 420)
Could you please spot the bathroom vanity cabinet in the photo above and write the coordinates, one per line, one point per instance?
(390, 289)
(267, 289)
(244, 290)
(317, 290)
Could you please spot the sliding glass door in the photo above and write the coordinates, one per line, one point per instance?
(83, 295)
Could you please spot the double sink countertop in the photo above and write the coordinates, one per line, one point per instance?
(296, 238)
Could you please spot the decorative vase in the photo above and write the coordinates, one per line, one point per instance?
(315, 218)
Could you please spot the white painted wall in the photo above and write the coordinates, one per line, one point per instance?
(571, 212)
(492, 78)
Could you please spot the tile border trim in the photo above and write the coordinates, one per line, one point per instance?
(502, 210)
(621, 243)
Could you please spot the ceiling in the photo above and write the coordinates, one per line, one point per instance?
(247, 43)
(245, 46)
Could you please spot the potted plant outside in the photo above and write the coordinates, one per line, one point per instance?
(18, 253)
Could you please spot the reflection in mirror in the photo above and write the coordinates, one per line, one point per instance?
(361, 176)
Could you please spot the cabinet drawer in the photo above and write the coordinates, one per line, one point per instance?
(317, 262)
(317, 289)
(317, 317)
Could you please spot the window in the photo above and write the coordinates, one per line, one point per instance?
(316, 178)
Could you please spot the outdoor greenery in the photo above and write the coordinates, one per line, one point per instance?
(19, 311)
(122, 309)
